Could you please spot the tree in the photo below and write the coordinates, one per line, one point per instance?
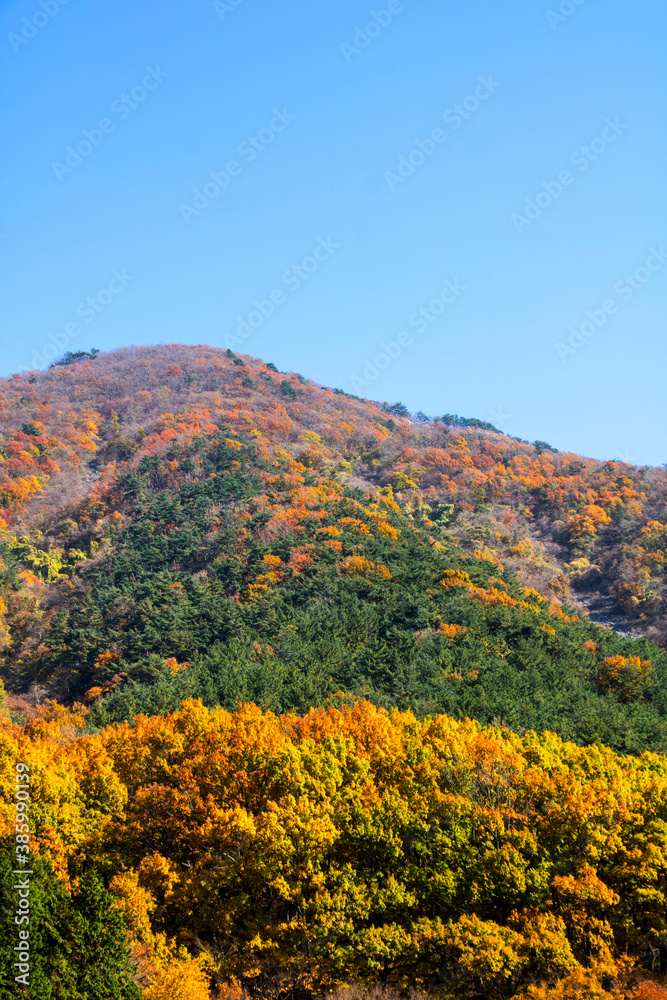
(73, 357)
(78, 943)
(396, 409)
(541, 446)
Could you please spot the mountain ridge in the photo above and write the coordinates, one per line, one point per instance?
(430, 463)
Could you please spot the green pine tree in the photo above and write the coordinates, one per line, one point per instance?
(78, 943)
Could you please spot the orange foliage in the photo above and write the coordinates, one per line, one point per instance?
(626, 676)
(452, 631)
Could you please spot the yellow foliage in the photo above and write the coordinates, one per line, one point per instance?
(479, 554)
(383, 525)
(106, 658)
(359, 566)
(493, 596)
(181, 979)
(174, 665)
(336, 837)
(580, 984)
(654, 528)
(136, 903)
(455, 578)
(579, 567)
(625, 676)
(401, 481)
(387, 499)
(357, 525)
(484, 951)
(586, 523)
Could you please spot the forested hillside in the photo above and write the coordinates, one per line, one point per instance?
(183, 530)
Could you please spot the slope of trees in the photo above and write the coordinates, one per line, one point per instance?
(562, 521)
(183, 530)
(209, 572)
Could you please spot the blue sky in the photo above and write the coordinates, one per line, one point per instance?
(365, 155)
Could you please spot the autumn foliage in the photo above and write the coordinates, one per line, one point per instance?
(607, 518)
(355, 845)
(198, 553)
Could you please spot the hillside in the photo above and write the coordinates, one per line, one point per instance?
(564, 522)
(309, 699)
(179, 521)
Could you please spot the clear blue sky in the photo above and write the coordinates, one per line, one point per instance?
(181, 88)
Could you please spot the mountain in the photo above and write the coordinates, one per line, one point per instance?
(245, 624)
(182, 505)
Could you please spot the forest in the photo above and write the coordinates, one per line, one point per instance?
(310, 698)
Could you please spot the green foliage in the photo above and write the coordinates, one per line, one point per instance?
(72, 357)
(78, 942)
(396, 409)
(542, 446)
(454, 420)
